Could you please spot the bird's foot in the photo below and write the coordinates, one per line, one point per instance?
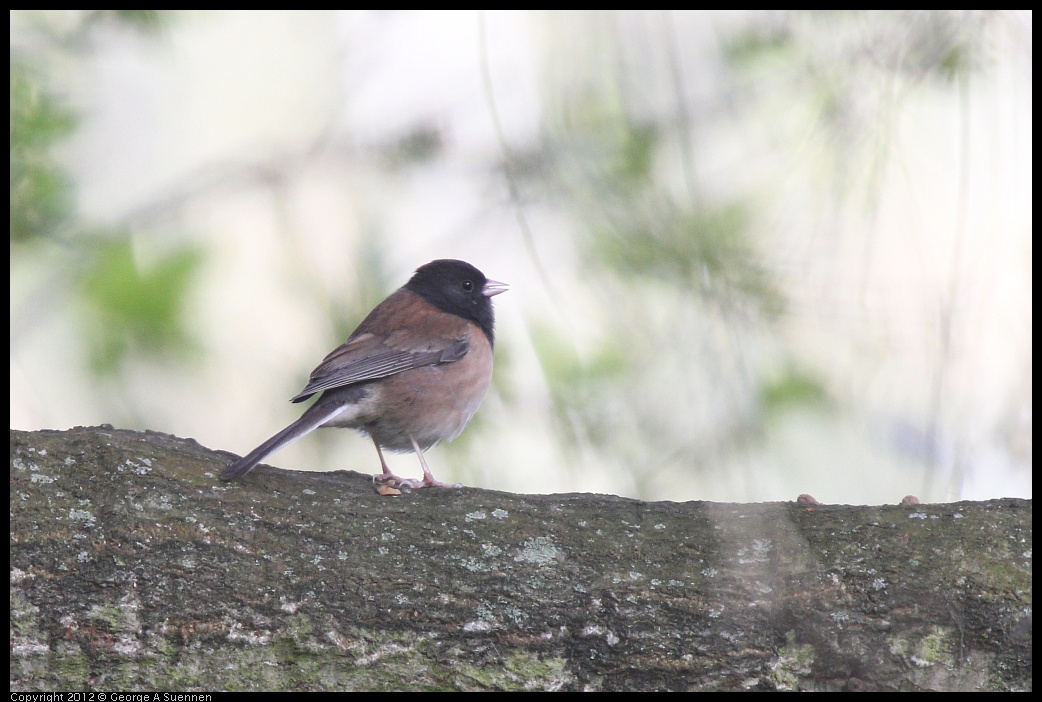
(431, 482)
(391, 484)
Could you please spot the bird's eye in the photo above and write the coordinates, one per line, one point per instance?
(468, 285)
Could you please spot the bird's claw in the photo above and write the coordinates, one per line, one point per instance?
(391, 484)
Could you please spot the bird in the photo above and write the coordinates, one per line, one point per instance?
(411, 375)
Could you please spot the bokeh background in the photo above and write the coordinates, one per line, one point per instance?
(752, 254)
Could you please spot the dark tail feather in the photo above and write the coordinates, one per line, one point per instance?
(307, 423)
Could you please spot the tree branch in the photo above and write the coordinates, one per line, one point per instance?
(134, 568)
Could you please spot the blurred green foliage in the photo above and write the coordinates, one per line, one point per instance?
(41, 192)
(792, 389)
(149, 20)
(634, 224)
(419, 145)
(42, 195)
(631, 157)
(709, 246)
(130, 308)
(759, 43)
(917, 44)
(578, 383)
(679, 362)
(135, 309)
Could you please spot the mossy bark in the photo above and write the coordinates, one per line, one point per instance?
(134, 568)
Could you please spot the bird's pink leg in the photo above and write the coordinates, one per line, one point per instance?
(428, 477)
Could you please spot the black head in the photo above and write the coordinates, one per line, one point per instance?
(458, 288)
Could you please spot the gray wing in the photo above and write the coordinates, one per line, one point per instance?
(368, 357)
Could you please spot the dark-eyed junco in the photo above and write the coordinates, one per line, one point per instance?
(412, 374)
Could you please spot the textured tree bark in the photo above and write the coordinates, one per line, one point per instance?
(134, 568)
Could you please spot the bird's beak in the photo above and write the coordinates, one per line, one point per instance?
(493, 287)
